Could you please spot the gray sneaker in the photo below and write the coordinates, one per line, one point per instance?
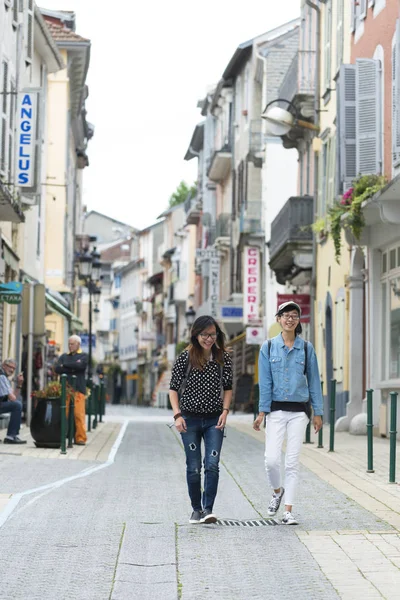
(275, 503)
(196, 516)
(208, 517)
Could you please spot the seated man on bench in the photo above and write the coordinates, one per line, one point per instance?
(9, 402)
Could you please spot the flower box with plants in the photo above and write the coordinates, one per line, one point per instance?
(46, 418)
(350, 206)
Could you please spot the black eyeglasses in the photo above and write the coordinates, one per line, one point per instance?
(205, 336)
(290, 317)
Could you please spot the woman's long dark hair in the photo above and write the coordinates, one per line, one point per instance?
(299, 329)
(196, 354)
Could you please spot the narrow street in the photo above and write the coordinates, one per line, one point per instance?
(122, 532)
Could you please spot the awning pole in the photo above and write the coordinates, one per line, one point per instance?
(30, 354)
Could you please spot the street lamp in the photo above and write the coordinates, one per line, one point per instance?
(90, 273)
(190, 315)
(280, 121)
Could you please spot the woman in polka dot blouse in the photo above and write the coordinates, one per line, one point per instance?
(200, 395)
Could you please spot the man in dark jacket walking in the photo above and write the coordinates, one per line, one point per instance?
(75, 363)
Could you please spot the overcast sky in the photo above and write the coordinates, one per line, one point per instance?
(150, 64)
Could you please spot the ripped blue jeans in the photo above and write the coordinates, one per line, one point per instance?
(199, 428)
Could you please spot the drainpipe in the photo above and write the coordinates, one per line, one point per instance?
(316, 166)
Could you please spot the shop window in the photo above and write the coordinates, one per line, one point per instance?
(394, 358)
(384, 263)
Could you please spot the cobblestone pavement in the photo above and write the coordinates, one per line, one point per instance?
(122, 533)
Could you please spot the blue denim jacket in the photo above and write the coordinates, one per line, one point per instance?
(281, 375)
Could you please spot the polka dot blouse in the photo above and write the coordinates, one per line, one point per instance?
(202, 394)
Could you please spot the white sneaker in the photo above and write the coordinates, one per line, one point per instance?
(288, 519)
(275, 503)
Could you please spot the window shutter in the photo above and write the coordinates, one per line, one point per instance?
(347, 126)
(396, 120)
(368, 122)
(5, 84)
(363, 9)
(3, 146)
(15, 11)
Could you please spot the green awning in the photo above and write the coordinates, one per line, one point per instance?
(62, 310)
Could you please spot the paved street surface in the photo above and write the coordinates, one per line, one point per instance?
(116, 527)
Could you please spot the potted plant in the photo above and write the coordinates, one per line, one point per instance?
(46, 418)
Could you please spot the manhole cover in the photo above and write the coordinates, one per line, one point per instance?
(248, 523)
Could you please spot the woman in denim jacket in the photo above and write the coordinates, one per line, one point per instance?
(289, 386)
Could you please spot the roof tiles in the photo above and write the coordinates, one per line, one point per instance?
(60, 33)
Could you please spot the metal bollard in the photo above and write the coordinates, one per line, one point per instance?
(308, 433)
(63, 414)
(71, 419)
(95, 392)
(393, 433)
(321, 431)
(89, 405)
(102, 391)
(370, 430)
(332, 416)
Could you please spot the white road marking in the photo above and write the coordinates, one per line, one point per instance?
(16, 498)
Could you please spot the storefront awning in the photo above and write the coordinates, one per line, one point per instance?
(63, 310)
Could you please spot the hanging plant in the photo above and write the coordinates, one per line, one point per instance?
(351, 204)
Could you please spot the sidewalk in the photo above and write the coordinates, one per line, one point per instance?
(358, 563)
(98, 445)
(345, 468)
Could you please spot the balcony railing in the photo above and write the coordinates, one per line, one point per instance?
(223, 226)
(300, 77)
(291, 227)
(251, 218)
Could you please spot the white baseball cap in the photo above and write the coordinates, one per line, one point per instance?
(282, 307)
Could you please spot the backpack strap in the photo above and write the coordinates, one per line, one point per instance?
(185, 379)
(305, 356)
(269, 348)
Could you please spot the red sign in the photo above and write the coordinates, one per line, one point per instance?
(251, 287)
(303, 300)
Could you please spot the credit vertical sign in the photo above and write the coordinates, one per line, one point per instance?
(26, 138)
(214, 285)
(251, 287)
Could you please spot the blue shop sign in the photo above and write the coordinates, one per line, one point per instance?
(85, 341)
(232, 311)
(26, 139)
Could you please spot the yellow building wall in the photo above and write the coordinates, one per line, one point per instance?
(331, 277)
(57, 119)
(57, 326)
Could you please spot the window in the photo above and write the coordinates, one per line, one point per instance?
(396, 95)
(328, 45)
(360, 120)
(117, 281)
(339, 33)
(390, 293)
(4, 119)
(29, 33)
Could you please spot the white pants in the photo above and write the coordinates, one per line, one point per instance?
(294, 424)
